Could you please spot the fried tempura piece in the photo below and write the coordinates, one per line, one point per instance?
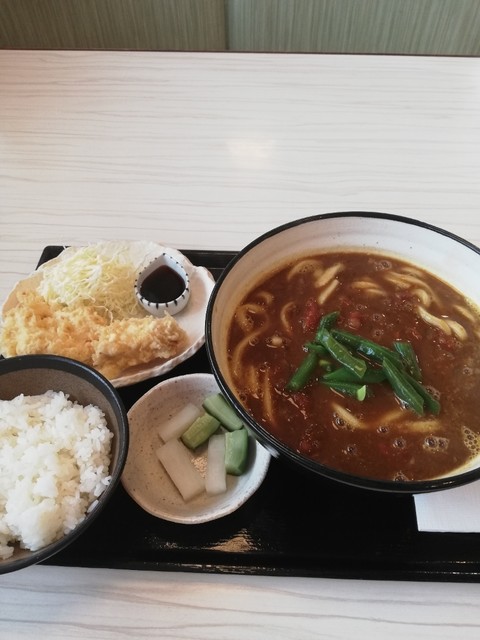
(126, 343)
(35, 326)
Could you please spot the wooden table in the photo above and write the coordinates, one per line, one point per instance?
(208, 151)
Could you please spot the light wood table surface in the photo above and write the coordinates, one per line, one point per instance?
(208, 151)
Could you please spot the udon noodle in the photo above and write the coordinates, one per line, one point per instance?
(378, 298)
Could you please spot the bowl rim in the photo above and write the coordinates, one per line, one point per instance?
(277, 448)
(61, 363)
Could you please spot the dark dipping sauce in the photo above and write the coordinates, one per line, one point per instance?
(162, 285)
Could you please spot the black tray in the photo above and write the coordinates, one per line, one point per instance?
(293, 526)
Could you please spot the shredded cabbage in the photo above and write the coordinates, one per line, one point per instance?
(101, 276)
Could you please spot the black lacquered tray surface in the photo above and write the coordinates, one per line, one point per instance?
(294, 525)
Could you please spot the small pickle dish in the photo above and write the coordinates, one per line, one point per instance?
(180, 466)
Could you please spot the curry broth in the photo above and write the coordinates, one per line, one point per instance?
(382, 299)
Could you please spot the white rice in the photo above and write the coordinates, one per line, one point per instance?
(54, 464)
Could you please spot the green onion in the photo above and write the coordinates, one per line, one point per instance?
(342, 354)
(362, 393)
(402, 387)
(326, 322)
(325, 364)
(399, 366)
(316, 348)
(305, 370)
(367, 347)
(430, 402)
(303, 373)
(409, 358)
(352, 389)
(342, 374)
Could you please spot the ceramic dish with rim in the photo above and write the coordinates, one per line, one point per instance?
(447, 257)
(145, 479)
(35, 375)
(163, 286)
(191, 318)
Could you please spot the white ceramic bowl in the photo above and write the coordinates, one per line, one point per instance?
(174, 305)
(145, 479)
(37, 374)
(450, 258)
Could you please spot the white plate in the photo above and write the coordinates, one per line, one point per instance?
(145, 479)
(191, 319)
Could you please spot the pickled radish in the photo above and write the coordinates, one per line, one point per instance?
(216, 475)
(175, 426)
(175, 457)
(226, 444)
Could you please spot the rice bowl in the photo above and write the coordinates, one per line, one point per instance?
(54, 457)
(58, 475)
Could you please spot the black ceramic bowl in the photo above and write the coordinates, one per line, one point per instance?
(36, 374)
(451, 258)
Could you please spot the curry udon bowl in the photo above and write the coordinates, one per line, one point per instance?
(395, 281)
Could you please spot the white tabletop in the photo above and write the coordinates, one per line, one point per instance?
(208, 151)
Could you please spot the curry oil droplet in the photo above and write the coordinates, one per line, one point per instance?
(382, 265)
(434, 444)
(471, 439)
(351, 450)
(339, 423)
